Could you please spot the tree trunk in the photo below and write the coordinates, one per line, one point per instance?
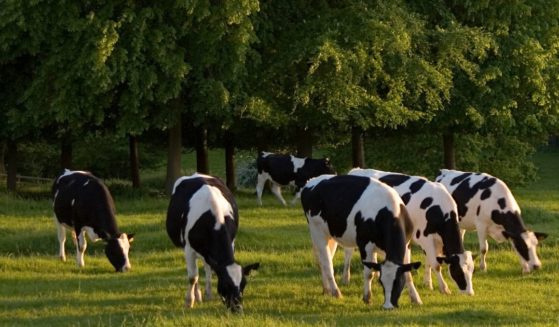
(230, 162)
(174, 155)
(448, 147)
(134, 161)
(304, 143)
(357, 148)
(2, 156)
(66, 152)
(202, 150)
(11, 164)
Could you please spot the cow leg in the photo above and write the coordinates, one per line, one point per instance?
(296, 197)
(61, 230)
(348, 253)
(430, 247)
(192, 272)
(276, 190)
(260, 187)
(208, 286)
(80, 249)
(325, 260)
(483, 247)
(414, 295)
(367, 254)
(427, 276)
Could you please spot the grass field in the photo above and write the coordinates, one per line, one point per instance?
(39, 290)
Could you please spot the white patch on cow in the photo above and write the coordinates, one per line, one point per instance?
(195, 175)
(297, 163)
(236, 273)
(84, 184)
(208, 198)
(387, 278)
(532, 243)
(124, 244)
(73, 201)
(55, 196)
(315, 180)
(467, 265)
(71, 172)
(265, 154)
(91, 234)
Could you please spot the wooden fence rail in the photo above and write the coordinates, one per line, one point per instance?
(20, 178)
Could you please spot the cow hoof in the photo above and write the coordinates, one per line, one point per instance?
(337, 294)
(367, 299)
(63, 259)
(445, 291)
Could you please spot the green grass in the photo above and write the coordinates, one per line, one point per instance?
(37, 289)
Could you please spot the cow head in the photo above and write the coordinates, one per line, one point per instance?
(117, 251)
(525, 244)
(461, 268)
(328, 168)
(392, 279)
(231, 282)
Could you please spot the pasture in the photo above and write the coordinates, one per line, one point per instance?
(37, 289)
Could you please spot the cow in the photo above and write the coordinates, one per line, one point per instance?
(434, 216)
(283, 170)
(357, 211)
(83, 204)
(203, 218)
(486, 204)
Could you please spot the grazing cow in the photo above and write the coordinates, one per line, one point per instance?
(361, 212)
(83, 204)
(486, 204)
(434, 216)
(203, 219)
(285, 169)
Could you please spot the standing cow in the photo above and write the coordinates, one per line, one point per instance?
(361, 212)
(286, 169)
(435, 219)
(83, 204)
(203, 219)
(486, 204)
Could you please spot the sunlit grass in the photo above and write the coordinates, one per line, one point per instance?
(37, 289)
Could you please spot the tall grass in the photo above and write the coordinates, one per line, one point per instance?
(37, 289)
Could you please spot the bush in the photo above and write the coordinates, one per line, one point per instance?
(246, 172)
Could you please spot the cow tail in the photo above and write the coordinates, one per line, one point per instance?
(406, 221)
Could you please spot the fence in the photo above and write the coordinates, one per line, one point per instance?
(21, 178)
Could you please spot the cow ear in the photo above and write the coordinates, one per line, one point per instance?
(372, 265)
(130, 237)
(248, 268)
(540, 236)
(411, 266)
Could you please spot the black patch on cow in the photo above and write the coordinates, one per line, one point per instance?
(91, 205)
(502, 203)
(464, 193)
(213, 245)
(406, 197)
(460, 178)
(417, 234)
(280, 167)
(513, 224)
(485, 194)
(426, 203)
(394, 179)
(334, 199)
(458, 275)
(417, 185)
(447, 227)
(478, 210)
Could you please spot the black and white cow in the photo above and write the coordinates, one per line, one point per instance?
(203, 219)
(361, 212)
(434, 216)
(286, 169)
(486, 204)
(83, 204)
